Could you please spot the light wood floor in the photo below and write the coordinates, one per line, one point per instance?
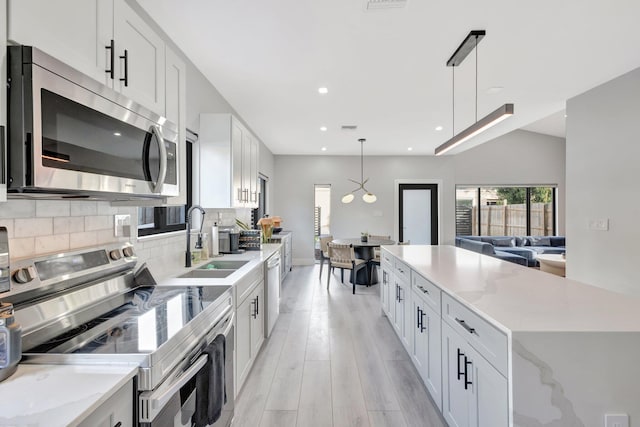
(332, 360)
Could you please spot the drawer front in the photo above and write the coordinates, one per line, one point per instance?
(429, 292)
(387, 259)
(402, 271)
(486, 339)
(246, 284)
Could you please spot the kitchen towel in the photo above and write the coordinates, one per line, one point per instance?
(211, 394)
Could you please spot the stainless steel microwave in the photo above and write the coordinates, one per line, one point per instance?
(70, 136)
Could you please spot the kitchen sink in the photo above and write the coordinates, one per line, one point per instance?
(222, 265)
(207, 274)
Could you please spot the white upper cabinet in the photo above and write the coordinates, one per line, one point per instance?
(176, 111)
(228, 159)
(92, 36)
(3, 103)
(76, 32)
(140, 61)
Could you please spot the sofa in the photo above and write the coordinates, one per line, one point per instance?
(527, 247)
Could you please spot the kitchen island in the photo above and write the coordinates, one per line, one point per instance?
(500, 344)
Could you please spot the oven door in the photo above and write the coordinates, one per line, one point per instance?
(174, 402)
(67, 135)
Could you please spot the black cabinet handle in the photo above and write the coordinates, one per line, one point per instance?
(255, 310)
(464, 325)
(257, 306)
(400, 293)
(422, 328)
(459, 373)
(419, 319)
(118, 424)
(397, 297)
(112, 55)
(126, 68)
(467, 383)
(425, 291)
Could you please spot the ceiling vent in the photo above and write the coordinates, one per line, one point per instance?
(349, 127)
(384, 4)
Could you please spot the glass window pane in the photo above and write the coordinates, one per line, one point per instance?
(541, 218)
(503, 211)
(466, 211)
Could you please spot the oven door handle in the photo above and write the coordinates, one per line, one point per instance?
(152, 402)
(156, 131)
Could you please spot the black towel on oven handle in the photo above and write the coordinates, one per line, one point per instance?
(211, 394)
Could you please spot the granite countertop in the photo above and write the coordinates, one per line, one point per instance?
(521, 299)
(58, 395)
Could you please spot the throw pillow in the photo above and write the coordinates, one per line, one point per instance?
(540, 241)
(505, 242)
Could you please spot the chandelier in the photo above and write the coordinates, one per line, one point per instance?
(367, 197)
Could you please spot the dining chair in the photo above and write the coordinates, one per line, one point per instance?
(344, 257)
(324, 251)
(375, 261)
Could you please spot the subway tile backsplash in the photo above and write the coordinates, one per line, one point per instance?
(37, 227)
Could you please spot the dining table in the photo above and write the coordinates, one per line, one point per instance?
(365, 250)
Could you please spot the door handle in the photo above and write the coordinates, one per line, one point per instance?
(467, 383)
(464, 325)
(126, 68)
(112, 56)
(458, 361)
(156, 131)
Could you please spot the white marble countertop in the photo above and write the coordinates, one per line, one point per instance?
(254, 257)
(521, 299)
(58, 395)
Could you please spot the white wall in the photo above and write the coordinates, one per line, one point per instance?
(603, 149)
(518, 158)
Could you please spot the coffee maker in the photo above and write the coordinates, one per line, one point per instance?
(229, 240)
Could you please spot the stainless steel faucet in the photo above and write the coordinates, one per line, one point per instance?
(187, 259)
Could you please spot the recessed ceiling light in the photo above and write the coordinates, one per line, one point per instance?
(494, 89)
(324, 148)
(323, 128)
(439, 128)
(116, 133)
(323, 90)
(410, 149)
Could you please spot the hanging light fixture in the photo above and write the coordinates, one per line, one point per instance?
(367, 197)
(470, 43)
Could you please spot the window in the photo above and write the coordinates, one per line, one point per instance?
(261, 210)
(164, 219)
(505, 211)
(321, 214)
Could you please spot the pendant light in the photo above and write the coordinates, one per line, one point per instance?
(367, 197)
(505, 111)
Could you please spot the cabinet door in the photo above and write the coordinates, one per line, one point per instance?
(77, 32)
(456, 397)
(257, 321)
(432, 367)
(246, 168)
(253, 173)
(237, 136)
(420, 348)
(384, 292)
(117, 410)
(243, 341)
(490, 406)
(175, 110)
(3, 101)
(140, 75)
(398, 310)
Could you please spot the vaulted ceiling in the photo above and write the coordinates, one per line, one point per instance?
(385, 68)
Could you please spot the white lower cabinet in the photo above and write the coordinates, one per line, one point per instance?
(116, 411)
(427, 346)
(475, 394)
(249, 328)
(459, 356)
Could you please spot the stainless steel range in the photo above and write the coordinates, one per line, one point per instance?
(89, 307)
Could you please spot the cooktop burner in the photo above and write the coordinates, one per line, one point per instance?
(150, 318)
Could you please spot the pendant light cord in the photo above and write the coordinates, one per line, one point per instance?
(361, 161)
(476, 49)
(453, 101)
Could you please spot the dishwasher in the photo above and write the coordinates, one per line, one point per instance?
(272, 289)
